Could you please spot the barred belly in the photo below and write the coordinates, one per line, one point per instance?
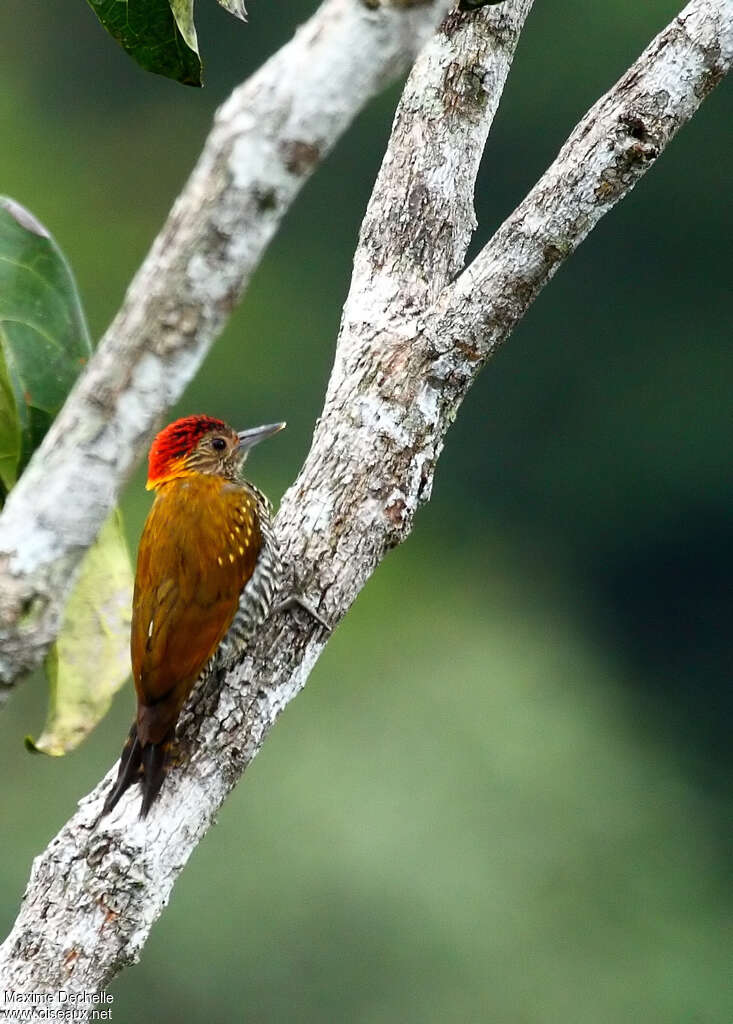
(255, 603)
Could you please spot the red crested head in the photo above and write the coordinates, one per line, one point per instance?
(176, 442)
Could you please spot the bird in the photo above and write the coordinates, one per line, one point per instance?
(208, 568)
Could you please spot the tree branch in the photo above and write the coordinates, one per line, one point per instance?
(95, 893)
(96, 890)
(618, 141)
(265, 142)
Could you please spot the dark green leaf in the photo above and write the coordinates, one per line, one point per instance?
(91, 657)
(44, 340)
(10, 436)
(149, 32)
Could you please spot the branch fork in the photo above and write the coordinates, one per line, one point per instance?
(416, 330)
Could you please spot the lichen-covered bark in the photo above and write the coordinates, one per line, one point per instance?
(420, 220)
(95, 893)
(402, 365)
(265, 142)
(617, 141)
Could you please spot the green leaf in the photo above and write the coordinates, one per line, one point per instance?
(182, 11)
(10, 436)
(152, 35)
(44, 340)
(235, 7)
(91, 657)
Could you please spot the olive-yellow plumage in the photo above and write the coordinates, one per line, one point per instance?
(205, 539)
(198, 549)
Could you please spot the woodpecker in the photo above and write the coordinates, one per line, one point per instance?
(207, 571)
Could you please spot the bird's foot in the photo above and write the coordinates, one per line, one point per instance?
(297, 601)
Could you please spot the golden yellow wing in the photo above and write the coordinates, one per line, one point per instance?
(198, 549)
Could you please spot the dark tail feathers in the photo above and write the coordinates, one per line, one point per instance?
(146, 765)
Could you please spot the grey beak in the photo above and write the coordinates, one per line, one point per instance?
(249, 438)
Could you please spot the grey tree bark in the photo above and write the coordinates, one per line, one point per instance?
(413, 338)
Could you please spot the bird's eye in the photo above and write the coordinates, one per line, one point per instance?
(218, 444)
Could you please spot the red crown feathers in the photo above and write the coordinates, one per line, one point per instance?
(177, 440)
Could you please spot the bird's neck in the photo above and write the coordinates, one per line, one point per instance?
(179, 474)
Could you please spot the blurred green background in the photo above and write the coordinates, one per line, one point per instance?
(505, 794)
